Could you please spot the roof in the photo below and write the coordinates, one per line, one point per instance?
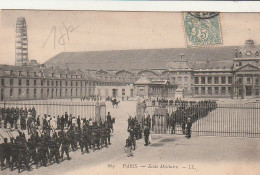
(143, 80)
(199, 58)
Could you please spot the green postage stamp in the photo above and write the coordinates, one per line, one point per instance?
(202, 29)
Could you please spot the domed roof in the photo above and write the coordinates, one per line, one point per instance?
(248, 50)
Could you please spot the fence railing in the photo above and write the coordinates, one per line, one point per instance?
(208, 118)
(84, 109)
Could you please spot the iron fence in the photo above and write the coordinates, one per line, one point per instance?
(208, 118)
(84, 109)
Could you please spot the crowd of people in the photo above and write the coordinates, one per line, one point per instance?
(16, 117)
(46, 145)
(186, 113)
(136, 131)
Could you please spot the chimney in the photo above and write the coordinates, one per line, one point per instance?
(182, 56)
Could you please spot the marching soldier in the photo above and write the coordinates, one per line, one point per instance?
(5, 153)
(65, 146)
(128, 145)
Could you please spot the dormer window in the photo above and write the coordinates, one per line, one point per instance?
(27, 74)
(248, 53)
(20, 73)
(41, 74)
(257, 53)
(11, 72)
(240, 54)
(52, 75)
(60, 75)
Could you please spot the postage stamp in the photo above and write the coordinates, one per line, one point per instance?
(202, 29)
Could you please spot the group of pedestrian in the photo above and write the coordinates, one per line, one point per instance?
(136, 131)
(47, 145)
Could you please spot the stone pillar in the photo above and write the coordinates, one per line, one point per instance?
(243, 87)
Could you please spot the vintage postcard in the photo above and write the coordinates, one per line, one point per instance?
(117, 92)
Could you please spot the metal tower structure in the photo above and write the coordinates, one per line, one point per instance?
(21, 42)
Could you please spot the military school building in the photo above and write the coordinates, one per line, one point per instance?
(229, 72)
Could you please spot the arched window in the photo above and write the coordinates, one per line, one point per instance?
(257, 53)
(240, 54)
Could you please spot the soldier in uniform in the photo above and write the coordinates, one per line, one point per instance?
(95, 136)
(66, 119)
(146, 135)
(107, 132)
(189, 124)
(5, 153)
(65, 146)
(103, 136)
(128, 145)
(54, 149)
(173, 122)
(62, 122)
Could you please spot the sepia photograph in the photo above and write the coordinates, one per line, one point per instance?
(129, 92)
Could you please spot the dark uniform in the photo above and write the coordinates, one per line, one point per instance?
(65, 146)
(146, 135)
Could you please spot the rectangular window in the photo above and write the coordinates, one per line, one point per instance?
(57, 83)
(210, 90)
(223, 90)
(66, 83)
(209, 80)
(27, 74)
(216, 80)
(11, 82)
(19, 82)
(71, 83)
(248, 80)
(229, 90)
(240, 80)
(41, 82)
(2, 82)
(34, 82)
(196, 80)
(52, 83)
(257, 81)
(48, 83)
(196, 90)
(216, 90)
(123, 91)
(19, 93)
(203, 90)
(41, 93)
(81, 83)
(48, 93)
(34, 74)
(230, 80)
(223, 80)
(11, 93)
(34, 93)
(27, 82)
(27, 93)
(203, 80)
(60, 83)
(76, 83)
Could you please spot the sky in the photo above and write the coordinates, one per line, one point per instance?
(52, 32)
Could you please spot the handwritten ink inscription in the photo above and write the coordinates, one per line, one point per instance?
(60, 35)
